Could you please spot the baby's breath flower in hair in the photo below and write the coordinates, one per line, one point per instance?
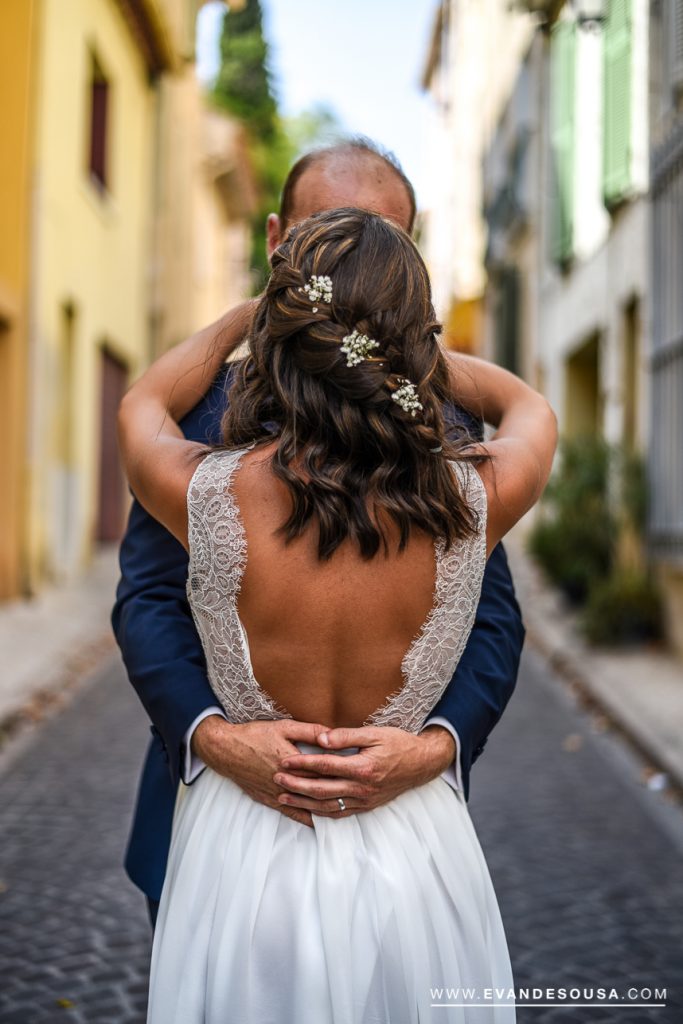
(357, 347)
(406, 396)
(318, 287)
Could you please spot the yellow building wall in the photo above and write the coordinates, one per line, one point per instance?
(90, 255)
(17, 57)
(464, 326)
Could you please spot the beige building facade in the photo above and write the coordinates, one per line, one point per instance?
(665, 357)
(203, 203)
(473, 58)
(556, 221)
(91, 230)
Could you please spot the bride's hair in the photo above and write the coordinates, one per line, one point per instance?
(347, 451)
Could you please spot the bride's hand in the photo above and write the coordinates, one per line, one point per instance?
(389, 762)
(252, 753)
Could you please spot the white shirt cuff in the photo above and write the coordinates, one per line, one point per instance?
(191, 765)
(452, 774)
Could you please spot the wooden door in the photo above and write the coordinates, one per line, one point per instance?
(111, 484)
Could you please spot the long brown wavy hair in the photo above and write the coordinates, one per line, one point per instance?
(346, 451)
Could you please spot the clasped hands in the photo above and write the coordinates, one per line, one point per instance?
(261, 757)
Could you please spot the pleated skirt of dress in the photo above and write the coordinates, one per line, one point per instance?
(360, 920)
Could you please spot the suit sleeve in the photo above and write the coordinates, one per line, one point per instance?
(486, 674)
(151, 618)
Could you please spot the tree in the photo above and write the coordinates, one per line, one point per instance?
(243, 87)
(243, 84)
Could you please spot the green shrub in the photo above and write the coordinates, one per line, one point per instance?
(573, 552)
(574, 538)
(623, 609)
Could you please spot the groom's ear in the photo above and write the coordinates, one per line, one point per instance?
(273, 233)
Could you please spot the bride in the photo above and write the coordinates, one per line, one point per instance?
(337, 543)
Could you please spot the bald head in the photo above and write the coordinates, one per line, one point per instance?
(352, 173)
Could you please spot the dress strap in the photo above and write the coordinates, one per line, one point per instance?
(215, 535)
(474, 491)
(218, 559)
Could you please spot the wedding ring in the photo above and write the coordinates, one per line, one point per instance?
(342, 805)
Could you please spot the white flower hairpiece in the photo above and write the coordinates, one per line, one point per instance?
(318, 287)
(406, 396)
(357, 347)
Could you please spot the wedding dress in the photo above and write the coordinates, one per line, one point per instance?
(377, 918)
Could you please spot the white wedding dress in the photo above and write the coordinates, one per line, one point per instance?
(362, 919)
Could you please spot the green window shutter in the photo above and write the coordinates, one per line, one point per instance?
(563, 137)
(617, 101)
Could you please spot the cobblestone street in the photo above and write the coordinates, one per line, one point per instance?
(72, 927)
(586, 863)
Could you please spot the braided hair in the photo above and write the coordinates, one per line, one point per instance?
(346, 450)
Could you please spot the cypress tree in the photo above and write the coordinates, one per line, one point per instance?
(243, 85)
(243, 88)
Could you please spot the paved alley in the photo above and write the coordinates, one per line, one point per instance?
(586, 863)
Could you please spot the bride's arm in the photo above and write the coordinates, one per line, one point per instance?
(523, 445)
(157, 457)
(482, 388)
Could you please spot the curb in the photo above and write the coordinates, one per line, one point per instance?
(642, 740)
(611, 682)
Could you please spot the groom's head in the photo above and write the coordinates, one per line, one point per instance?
(355, 172)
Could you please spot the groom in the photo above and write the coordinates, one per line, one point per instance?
(163, 654)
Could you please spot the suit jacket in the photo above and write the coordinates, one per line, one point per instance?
(165, 663)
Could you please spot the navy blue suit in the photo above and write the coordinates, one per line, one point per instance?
(163, 655)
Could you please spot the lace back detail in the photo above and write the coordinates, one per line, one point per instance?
(431, 659)
(218, 558)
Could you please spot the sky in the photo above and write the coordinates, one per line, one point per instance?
(361, 58)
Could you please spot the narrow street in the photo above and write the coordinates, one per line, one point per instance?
(586, 863)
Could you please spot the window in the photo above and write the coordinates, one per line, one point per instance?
(583, 399)
(112, 488)
(507, 319)
(666, 405)
(630, 373)
(99, 124)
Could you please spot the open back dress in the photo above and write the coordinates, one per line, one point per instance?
(383, 917)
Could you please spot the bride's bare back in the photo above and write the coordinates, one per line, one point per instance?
(345, 642)
(326, 638)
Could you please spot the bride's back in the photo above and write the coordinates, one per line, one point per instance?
(329, 436)
(326, 638)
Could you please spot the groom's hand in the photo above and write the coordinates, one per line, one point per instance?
(252, 753)
(389, 762)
